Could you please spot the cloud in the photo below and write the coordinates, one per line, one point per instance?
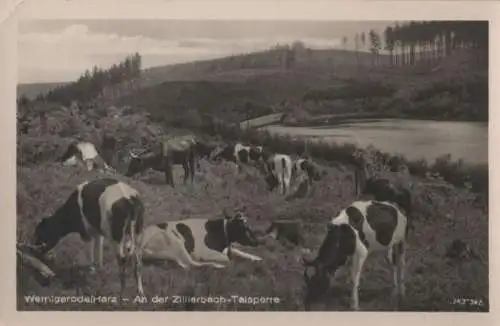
(71, 50)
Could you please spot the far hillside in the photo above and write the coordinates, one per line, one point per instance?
(236, 67)
(428, 70)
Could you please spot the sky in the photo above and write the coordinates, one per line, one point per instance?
(60, 50)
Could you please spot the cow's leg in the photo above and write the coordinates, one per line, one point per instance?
(398, 266)
(245, 255)
(357, 265)
(287, 186)
(192, 166)
(178, 253)
(138, 271)
(215, 256)
(92, 246)
(198, 165)
(100, 244)
(185, 166)
(168, 170)
(122, 266)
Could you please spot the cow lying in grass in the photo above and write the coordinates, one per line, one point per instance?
(83, 153)
(357, 231)
(179, 150)
(104, 208)
(198, 242)
(241, 154)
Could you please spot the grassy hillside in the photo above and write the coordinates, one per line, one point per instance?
(442, 213)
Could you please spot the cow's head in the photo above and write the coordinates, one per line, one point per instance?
(137, 164)
(316, 281)
(238, 230)
(255, 153)
(47, 234)
(338, 245)
(205, 149)
(71, 155)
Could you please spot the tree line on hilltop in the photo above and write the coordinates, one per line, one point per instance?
(430, 41)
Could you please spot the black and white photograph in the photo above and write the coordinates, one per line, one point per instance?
(252, 165)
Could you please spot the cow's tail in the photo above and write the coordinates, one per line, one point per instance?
(283, 174)
(132, 229)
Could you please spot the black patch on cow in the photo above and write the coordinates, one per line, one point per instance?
(243, 155)
(338, 245)
(383, 219)
(215, 238)
(187, 234)
(356, 220)
(90, 194)
(162, 225)
(283, 163)
(123, 211)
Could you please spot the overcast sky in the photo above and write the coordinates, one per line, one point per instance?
(60, 50)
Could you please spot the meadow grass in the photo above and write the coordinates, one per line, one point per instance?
(432, 280)
(442, 213)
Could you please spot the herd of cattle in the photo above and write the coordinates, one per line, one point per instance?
(109, 208)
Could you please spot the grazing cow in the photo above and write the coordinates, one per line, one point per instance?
(306, 168)
(83, 152)
(358, 230)
(199, 242)
(179, 150)
(241, 154)
(103, 208)
(279, 173)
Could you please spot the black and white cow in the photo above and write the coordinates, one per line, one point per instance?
(103, 208)
(179, 150)
(242, 154)
(357, 231)
(83, 152)
(199, 242)
(279, 173)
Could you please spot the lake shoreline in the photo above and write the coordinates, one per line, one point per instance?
(342, 119)
(415, 139)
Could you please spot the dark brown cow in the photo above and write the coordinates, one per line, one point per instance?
(178, 150)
